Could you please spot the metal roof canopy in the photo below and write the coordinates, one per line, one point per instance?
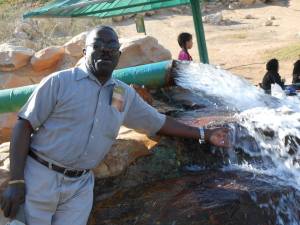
(111, 8)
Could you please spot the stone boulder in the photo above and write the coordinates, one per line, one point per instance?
(9, 80)
(23, 76)
(142, 50)
(7, 122)
(4, 164)
(4, 175)
(43, 64)
(214, 19)
(67, 61)
(75, 46)
(47, 58)
(129, 146)
(14, 57)
(208, 197)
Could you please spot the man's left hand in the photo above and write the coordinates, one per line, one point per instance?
(218, 137)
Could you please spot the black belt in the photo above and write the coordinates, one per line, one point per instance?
(64, 171)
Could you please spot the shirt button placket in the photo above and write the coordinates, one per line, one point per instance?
(96, 119)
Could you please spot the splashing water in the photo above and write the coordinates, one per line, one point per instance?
(272, 123)
(234, 91)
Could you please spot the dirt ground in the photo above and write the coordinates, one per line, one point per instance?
(243, 46)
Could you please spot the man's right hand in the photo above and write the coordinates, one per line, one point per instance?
(11, 199)
(218, 137)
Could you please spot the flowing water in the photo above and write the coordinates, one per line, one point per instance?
(267, 128)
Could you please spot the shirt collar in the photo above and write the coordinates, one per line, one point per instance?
(85, 73)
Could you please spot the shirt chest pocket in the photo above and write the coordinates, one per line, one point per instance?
(112, 122)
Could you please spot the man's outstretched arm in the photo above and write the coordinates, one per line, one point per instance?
(217, 136)
(144, 118)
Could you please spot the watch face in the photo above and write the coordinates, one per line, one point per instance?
(201, 141)
(202, 135)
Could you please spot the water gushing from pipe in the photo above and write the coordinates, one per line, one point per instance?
(267, 129)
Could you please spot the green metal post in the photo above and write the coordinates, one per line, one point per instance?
(197, 17)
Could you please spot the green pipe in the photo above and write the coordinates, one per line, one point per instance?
(197, 17)
(153, 75)
(11, 100)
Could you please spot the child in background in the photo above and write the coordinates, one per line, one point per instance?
(296, 72)
(272, 76)
(185, 41)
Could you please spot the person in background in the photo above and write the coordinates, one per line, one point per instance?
(185, 41)
(272, 76)
(296, 72)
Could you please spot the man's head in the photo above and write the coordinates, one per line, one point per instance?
(273, 65)
(102, 52)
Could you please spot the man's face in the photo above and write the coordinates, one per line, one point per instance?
(102, 52)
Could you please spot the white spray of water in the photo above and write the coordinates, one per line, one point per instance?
(257, 112)
(274, 123)
(236, 92)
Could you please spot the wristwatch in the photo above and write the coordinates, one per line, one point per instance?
(202, 135)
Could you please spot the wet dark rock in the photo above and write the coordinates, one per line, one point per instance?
(293, 143)
(168, 160)
(209, 198)
(184, 183)
(267, 132)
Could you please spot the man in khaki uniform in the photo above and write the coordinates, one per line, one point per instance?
(67, 127)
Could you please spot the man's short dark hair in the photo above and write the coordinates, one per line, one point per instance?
(97, 28)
